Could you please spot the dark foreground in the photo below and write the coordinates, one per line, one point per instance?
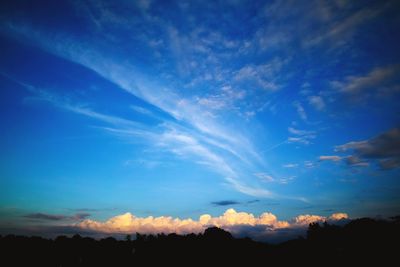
(362, 241)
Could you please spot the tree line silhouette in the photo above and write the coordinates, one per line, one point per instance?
(361, 241)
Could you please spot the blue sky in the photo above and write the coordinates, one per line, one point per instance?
(182, 108)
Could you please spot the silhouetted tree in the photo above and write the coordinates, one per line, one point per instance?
(128, 238)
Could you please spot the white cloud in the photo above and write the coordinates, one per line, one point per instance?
(214, 140)
(212, 103)
(230, 220)
(301, 140)
(291, 165)
(301, 136)
(309, 164)
(300, 132)
(263, 76)
(287, 180)
(330, 158)
(226, 99)
(317, 102)
(142, 110)
(264, 177)
(300, 110)
(172, 138)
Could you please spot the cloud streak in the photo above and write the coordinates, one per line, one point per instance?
(379, 82)
(53, 217)
(225, 203)
(385, 148)
(330, 158)
(191, 134)
(186, 142)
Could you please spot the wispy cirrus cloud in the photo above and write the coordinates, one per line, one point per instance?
(266, 178)
(194, 133)
(187, 143)
(262, 76)
(300, 110)
(295, 131)
(215, 96)
(301, 136)
(290, 165)
(340, 29)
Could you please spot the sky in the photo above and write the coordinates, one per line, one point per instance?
(152, 116)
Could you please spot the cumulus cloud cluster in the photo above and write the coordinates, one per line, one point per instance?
(231, 220)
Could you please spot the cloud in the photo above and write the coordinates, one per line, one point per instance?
(307, 219)
(144, 4)
(355, 161)
(385, 148)
(212, 103)
(186, 142)
(80, 216)
(349, 160)
(329, 158)
(317, 102)
(86, 210)
(211, 141)
(290, 165)
(46, 217)
(302, 140)
(262, 76)
(300, 132)
(380, 81)
(345, 28)
(264, 177)
(225, 203)
(309, 164)
(338, 216)
(300, 110)
(142, 110)
(302, 136)
(53, 217)
(388, 164)
(252, 201)
(237, 223)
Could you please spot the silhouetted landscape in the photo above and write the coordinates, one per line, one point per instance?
(359, 241)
